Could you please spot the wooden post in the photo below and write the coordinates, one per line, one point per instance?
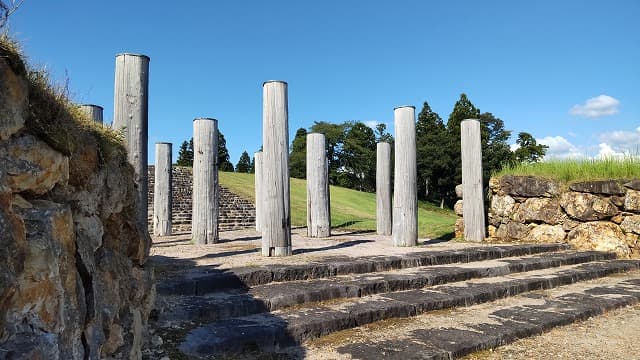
(473, 204)
(130, 115)
(204, 219)
(383, 188)
(162, 190)
(276, 227)
(93, 111)
(405, 190)
(318, 220)
(257, 160)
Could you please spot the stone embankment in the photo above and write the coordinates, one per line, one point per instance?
(235, 212)
(74, 283)
(591, 215)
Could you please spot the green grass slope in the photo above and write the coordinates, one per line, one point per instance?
(350, 209)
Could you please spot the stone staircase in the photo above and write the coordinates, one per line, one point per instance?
(275, 311)
(235, 212)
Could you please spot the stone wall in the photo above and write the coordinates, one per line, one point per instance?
(599, 215)
(73, 277)
(235, 212)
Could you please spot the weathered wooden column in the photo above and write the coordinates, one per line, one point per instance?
(162, 190)
(93, 111)
(405, 189)
(472, 200)
(383, 188)
(318, 218)
(276, 225)
(257, 161)
(204, 218)
(130, 115)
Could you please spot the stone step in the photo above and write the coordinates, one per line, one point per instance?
(274, 296)
(459, 332)
(275, 330)
(200, 282)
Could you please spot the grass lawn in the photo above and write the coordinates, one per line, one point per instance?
(570, 170)
(350, 209)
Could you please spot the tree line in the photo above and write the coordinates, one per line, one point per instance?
(351, 151)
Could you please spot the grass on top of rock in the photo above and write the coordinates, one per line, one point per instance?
(53, 117)
(350, 209)
(571, 170)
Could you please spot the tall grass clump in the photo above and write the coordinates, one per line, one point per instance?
(53, 117)
(570, 170)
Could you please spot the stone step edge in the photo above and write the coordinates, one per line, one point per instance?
(275, 296)
(200, 282)
(506, 325)
(272, 331)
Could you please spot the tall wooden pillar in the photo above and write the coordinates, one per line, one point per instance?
(204, 219)
(131, 116)
(276, 228)
(472, 201)
(405, 189)
(162, 190)
(383, 188)
(93, 111)
(318, 218)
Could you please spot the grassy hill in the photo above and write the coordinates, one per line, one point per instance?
(350, 209)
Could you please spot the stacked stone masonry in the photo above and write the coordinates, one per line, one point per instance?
(235, 212)
(74, 282)
(591, 215)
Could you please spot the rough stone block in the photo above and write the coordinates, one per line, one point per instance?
(605, 187)
(587, 207)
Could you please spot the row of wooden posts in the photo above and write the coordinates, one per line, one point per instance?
(273, 217)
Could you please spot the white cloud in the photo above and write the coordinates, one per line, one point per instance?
(514, 147)
(607, 152)
(560, 148)
(622, 141)
(598, 106)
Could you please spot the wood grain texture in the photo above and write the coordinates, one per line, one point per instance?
(276, 225)
(383, 188)
(93, 111)
(131, 116)
(318, 217)
(405, 190)
(257, 160)
(204, 220)
(473, 204)
(162, 190)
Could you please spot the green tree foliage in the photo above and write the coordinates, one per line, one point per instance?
(463, 109)
(223, 154)
(496, 152)
(185, 154)
(529, 151)
(244, 163)
(334, 137)
(252, 169)
(433, 155)
(358, 157)
(298, 155)
(382, 135)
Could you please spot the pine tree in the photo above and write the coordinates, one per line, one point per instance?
(334, 138)
(463, 109)
(244, 163)
(223, 154)
(529, 151)
(496, 152)
(298, 155)
(433, 155)
(359, 157)
(185, 154)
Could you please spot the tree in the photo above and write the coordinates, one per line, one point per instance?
(298, 155)
(496, 152)
(529, 151)
(433, 155)
(244, 163)
(463, 109)
(185, 155)
(382, 135)
(252, 169)
(358, 157)
(334, 138)
(223, 154)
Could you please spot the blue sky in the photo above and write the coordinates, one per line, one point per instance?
(565, 71)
